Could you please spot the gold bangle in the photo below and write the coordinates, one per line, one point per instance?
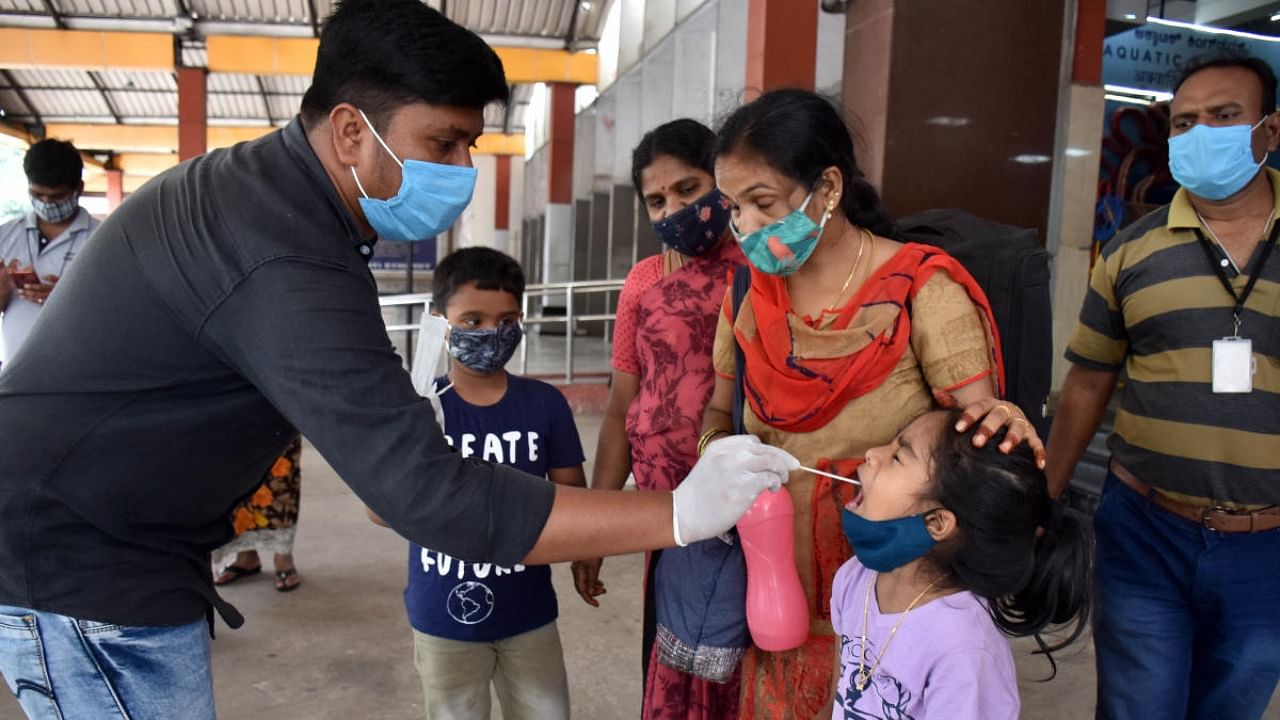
(707, 437)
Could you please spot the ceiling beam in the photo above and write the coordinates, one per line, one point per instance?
(14, 131)
(106, 99)
(311, 16)
(58, 22)
(125, 140)
(297, 56)
(25, 48)
(571, 37)
(96, 182)
(98, 50)
(149, 91)
(144, 164)
(210, 28)
(266, 99)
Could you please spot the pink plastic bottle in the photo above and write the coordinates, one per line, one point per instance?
(777, 612)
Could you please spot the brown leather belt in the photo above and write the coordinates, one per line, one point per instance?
(1218, 519)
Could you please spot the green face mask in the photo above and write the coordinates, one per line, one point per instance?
(780, 248)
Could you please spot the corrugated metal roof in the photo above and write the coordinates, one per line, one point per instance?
(69, 103)
(243, 106)
(115, 8)
(13, 107)
(138, 80)
(272, 11)
(286, 84)
(144, 104)
(284, 107)
(195, 56)
(232, 83)
(44, 79)
(21, 6)
(140, 97)
(536, 19)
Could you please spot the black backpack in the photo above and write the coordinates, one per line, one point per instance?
(1013, 270)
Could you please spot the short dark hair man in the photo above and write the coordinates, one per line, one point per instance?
(229, 302)
(36, 249)
(1187, 302)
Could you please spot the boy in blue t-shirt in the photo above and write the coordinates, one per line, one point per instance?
(475, 622)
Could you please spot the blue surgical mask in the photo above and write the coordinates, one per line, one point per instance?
(697, 227)
(886, 545)
(780, 248)
(1214, 162)
(56, 212)
(485, 350)
(431, 198)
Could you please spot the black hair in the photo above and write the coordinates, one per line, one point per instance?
(1028, 555)
(689, 141)
(54, 164)
(486, 267)
(800, 134)
(1259, 67)
(380, 55)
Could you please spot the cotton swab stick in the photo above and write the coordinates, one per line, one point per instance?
(841, 478)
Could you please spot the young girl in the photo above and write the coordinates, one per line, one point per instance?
(954, 545)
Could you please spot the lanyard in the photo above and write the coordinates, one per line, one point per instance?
(1242, 298)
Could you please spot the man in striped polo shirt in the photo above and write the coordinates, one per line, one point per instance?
(1186, 303)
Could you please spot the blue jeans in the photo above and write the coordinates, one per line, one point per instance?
(1188, 619)
(62, 668)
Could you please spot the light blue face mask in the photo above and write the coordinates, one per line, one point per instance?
(780, 248)
(431, 198)
(1214, 162)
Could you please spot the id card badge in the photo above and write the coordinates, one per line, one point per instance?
(1233, 365)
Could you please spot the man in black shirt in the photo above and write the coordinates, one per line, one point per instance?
(227, 303)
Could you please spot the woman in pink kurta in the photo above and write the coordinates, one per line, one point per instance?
(662, 369)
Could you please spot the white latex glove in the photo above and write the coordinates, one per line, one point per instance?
(426, 360)
(722, 486)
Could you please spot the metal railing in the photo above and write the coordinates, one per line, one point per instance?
(538, 297)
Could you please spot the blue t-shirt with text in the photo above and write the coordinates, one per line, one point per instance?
(532, 429)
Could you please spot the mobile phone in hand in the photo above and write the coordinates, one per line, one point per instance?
(23, 278)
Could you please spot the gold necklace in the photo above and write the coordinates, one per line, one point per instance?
(863, 676)
(862, 245)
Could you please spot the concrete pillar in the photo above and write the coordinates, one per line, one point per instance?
(115, 188)
(557, 265)
(193, 124)
(502, 204)
(782, 41)
(1075, 193)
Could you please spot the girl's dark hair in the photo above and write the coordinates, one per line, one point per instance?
(800, 134)
(1001, 502)
(689, 141)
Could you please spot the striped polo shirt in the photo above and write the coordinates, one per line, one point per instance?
(1154, 307)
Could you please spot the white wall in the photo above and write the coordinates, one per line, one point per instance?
(661, 60)
(475, 227)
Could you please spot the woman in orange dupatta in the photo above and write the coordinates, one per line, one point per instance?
(847, 336)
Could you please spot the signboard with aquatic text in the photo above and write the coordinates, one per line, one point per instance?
(1150, 57)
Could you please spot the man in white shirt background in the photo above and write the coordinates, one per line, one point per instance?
(36, 248)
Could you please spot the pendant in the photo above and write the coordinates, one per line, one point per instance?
(861, 678)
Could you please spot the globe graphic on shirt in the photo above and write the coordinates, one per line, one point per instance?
(470, 603)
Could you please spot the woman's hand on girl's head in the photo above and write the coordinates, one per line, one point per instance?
(992, 414)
